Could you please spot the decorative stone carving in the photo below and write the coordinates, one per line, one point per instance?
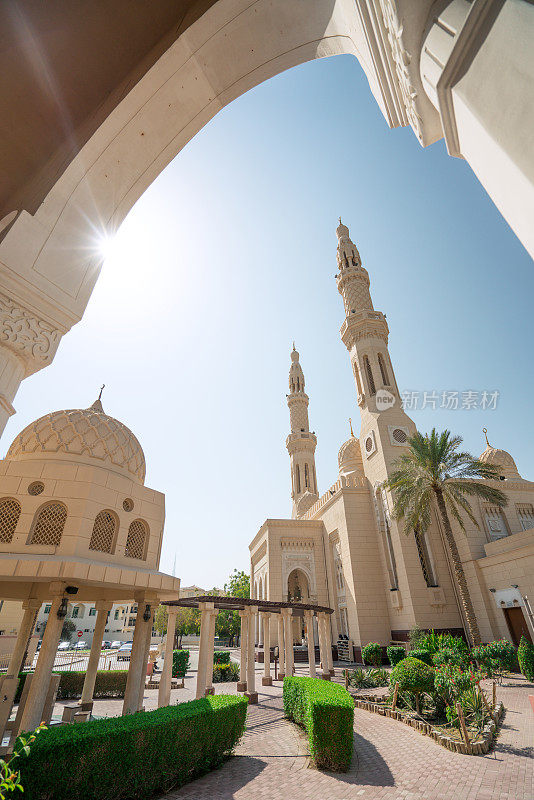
(32, 339)
(402, 59)
(304, 562)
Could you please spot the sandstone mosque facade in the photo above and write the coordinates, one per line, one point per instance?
(344, 549)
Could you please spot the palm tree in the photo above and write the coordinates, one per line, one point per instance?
(435, 469)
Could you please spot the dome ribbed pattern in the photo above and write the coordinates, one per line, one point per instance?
(82, 432)
(349, 457)
(501, 459)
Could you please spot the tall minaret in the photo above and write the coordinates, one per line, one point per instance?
(300, 443)
(385, 426)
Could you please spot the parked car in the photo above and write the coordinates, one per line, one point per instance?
(64, 646)
(106, 645)
(39, 643)
(80, 646)
(125, 651)
(116, 644)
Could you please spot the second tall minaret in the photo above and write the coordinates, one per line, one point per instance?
(300, 443)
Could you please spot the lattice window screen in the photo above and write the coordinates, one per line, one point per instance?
(103, 532)
(49, 525)
(424, 560)
(9, 517)
(135, 541)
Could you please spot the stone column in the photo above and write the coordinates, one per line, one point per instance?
(251, 692)
(103, 609)
(35, 701)
(136, 678)
(325, 672)
(164, 691)
(328, 637)
(308, 615)
(146, 653)
(281, 648)
(243, 641)
(288, 636)
(12, 372)
(9, 682)
(210, 651)
(205, 625)
(266, 680)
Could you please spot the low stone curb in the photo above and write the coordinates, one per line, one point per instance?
(472, 749)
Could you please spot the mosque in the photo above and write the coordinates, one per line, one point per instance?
(344, 549)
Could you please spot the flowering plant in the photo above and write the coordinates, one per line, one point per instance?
(450, 682)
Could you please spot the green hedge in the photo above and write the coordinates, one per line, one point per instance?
(395, 653)
(180, 663)
(423, 655)
(109, 683)
(412, 675)
(372, 654)
(225, 673)
(326, 710)
(134, 756)
(525, 655)
(221, 657)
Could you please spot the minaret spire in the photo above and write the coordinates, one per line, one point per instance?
(300, 443)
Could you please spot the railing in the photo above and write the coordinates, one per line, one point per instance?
(74, 660)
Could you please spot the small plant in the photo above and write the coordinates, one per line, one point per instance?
(450, 682)
(395, 653)
(221, 657)
(503, 656)
(413, 676)
(525, 655)
(225, 673)
(414, 637)
(448, 656)
(372, 654)
(422, 655)
(368, 679)
(9, 777)
(180, 663)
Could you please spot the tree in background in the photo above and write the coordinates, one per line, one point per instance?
(187, 622)
(228, 623)
(66, 631)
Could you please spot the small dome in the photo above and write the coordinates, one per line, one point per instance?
(89, 433)
(342, 231)
(305, 502)
(349, 457)
(500, 459)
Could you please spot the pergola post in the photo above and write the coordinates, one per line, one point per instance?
(205, 627)
(288, 636)
(308, 615)
(165, 682)
(103, 609)
(136, 677)
(328, 637)
(146, 652)
(36, 699)
(10, 681)
(251, 692)
(266, 680)
(325, 672)
(211, 649)
(281, 648)
(243, 642)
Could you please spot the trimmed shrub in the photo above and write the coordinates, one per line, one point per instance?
(180, 663)
(413, 676)
(134, 756)
(395, 653)
(448, 656)
(503, 655)
(326, 710)
(109, 683)
(223, 673)
(525, 655)
(221, 657)
(422, 655)
(372, 654)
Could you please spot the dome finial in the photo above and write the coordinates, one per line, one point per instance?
(485, 432)
(350, 426)
(97, 405)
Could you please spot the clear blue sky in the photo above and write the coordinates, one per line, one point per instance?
(230, 255)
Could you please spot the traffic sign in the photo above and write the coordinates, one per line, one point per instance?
(80, 634)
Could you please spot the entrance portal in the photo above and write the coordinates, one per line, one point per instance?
(517, 624)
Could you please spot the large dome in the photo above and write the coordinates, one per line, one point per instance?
(87, 433)
(349, 457)
(500, 459)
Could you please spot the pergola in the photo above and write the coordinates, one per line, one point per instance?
(249, 608)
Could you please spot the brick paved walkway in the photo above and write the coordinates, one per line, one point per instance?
(391, 761)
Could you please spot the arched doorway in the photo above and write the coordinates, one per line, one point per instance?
(298, 591)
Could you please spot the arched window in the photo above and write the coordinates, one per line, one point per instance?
(383, 370)
(48, 524)
(9, 517)
(136, 539)
(370, 379)
(103, 535)
(424, 559)
(298, 479)
(306, 476)
(314, 480)
(357, 376)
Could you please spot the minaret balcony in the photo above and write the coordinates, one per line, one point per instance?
(301, 440)
(363, 325)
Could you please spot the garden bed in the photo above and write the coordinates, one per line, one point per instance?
(449, 738)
